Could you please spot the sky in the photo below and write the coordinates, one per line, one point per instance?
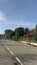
(17, 13)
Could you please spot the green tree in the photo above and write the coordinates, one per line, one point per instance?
(19, 32)
(8, 34)
(36, 33)
(26, 30)
(36, 29)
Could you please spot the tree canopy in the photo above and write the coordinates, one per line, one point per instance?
(9, 33)
(26, 30)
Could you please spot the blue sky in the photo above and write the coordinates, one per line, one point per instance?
(17, 13)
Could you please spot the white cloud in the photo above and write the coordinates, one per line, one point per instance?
(24, 24)
(2, 18)
(21, 23)
(27, 24)
(1, 14)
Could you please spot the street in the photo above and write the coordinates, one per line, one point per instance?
(5, 57)
(25, 53)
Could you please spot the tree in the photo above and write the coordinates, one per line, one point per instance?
(9, 33)
(36, 29)
(1, 36)
(26, 30)
(19, 32)
(36, 32)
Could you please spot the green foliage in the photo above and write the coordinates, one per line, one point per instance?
(36, 29)
(26, 30)
(16, 35)
(19, 32)
(9, 33)
(35, 37)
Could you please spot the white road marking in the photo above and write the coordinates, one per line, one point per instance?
(13, 54)
(18, 60)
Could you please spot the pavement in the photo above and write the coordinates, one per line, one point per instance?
(29, 43)
(5, 57)
(26, 53)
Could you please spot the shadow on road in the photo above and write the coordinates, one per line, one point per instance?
(27, 57)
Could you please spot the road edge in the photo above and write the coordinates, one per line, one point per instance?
(29, 43)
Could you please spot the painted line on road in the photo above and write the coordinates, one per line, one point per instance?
(18, 60)
(9, 50)
(13, 55)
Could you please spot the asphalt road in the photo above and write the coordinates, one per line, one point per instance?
(5, 57)
(26, 53)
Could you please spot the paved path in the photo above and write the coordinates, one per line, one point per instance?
(26, 53)
(5, 57)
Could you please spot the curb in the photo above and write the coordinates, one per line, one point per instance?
(29, 43)
(34, 44)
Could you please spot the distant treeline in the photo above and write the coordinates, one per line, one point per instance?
(21, 34)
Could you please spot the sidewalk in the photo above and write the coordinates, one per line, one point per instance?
(29, 43)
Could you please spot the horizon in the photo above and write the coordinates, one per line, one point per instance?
(17, 13)
(15, 28)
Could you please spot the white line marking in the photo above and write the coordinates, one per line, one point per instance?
(9, 50)
(13, 54)
(18, 60)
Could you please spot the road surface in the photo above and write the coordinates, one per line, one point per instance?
(26, 53)
(5, 57)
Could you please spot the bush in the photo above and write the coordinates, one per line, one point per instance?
(35, 37)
